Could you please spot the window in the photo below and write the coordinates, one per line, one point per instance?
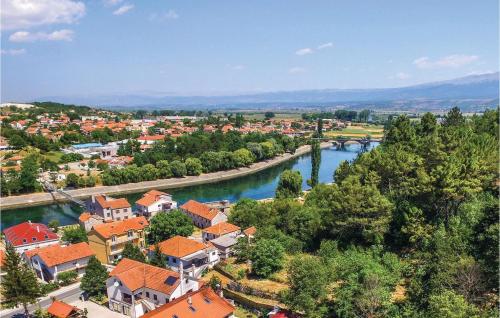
(130, 233)
(108, 214)
(46, 236)
(147, 294)
(25, 241)
(34, 239)
(113, 238)
(174, 260)
(155, 297)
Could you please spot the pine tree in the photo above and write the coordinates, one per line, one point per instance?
(94, 280)
(133, 252)
(19, 285)
(158, 259)
(315, 162)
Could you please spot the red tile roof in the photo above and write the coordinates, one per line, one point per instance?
(250, 231)
(28, 233)
(85, 216)
(56, 254)
(222, 228)
(107, 230)
(107, 202)
(61, 309)
(180, 246)
(150, 197)
(2, 257)
(200, 209)
(135, 275)
(204, 303)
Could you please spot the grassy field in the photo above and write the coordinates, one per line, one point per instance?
(54, 155)
(358, 131)
(241, 312)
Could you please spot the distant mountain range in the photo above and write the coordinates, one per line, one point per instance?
(471, 93)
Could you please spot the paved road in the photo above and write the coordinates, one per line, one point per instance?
(46, 198)
(67, 294)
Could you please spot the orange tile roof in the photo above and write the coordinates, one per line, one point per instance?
(203, 303)
(2, 257)
(61, 309)
(135, 275)
(107, 230)
(179, 246)
(200, 209)
(250, 231)
(85, 216)
(56, 254)
(221, 228)
(150, 197)
(108, 202)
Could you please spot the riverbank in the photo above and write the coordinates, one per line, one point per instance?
(35, 199)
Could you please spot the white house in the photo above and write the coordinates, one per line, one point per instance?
(110, 209)
(225, 245)
(153, 202)
(27, 236)
(50, 261)
(220, 229)
(135, 288)
(189, 254)
(202, 215)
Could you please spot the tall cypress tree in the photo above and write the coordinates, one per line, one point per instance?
(19, 285)
(315, 162)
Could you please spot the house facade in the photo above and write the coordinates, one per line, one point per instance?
(27, 236)
(107, 240)
(202, 215)
(50, 261)
(191, 255)
(135, 288)
(220, 229)
(110, 209)
(155, 201)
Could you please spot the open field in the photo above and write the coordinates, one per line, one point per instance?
(375, 131)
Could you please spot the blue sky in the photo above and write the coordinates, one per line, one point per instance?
(96, 47)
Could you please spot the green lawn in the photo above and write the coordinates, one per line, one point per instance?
(54, 155)
(241, 312)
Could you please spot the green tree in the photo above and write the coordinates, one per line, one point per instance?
(289, 185)
(166, 225)
(193, 167)
(72, 180)
(75, 235)
(94, 279)
(269, 115)
(248, 212)
(54, 225)
(267, 257)
(157, 258)
(29, 174)
(178, 168)
(17, 142)
(315, 163)
(19, 285)
(243, 157)
(308, 280)
(450, 305)
(132, 251)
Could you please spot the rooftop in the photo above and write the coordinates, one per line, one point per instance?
(222, 228)
(56, 254)
(200, 209)
(179, 246)
(107, 230)
(29, 233)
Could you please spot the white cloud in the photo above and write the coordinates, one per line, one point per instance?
(296, 70)
(110, 3)
(238, 67)
(325, 45)
(402, 76)
(24, 14)
(450, 61)
(25, 36)
(169, 15)
(304, 51)
(13, 52)
(123, 9)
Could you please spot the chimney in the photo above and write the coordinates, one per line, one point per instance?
(190, 301)
(181, 274)
(38, 229)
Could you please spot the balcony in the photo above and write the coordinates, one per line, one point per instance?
(124, 239)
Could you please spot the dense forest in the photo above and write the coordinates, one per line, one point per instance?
(408, 229)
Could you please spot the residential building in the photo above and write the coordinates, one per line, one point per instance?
(110, 209)
(27, 236)
(135, 288)
(107, 240)
(203, 303)
(202, 215)
(50, 261)
(155, 201)
(60, 309)
(250, 233)
(193, 255)
(225, 245)
(87, 220)
(220, 229)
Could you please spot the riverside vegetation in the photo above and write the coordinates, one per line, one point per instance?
(409, 229)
